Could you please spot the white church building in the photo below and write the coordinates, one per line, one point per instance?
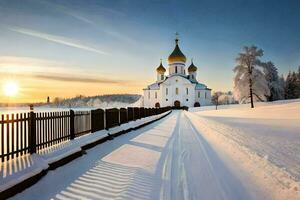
(178, 88)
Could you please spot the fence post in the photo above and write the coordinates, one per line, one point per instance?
(72, 128)
(32, 133)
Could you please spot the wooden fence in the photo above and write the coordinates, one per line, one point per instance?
(32, 132)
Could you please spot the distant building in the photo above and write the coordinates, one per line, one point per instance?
(177, 88)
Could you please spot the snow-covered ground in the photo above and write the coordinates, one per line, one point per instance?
(264, 141)
(169, 159)
(47, 108)
(234, 153)
(272, 130)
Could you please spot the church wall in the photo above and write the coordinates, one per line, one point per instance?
(155, 96)
(180, 68)
(202, 100)
(182, 84)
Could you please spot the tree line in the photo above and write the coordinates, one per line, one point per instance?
(256, 80)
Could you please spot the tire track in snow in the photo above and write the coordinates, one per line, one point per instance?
(193, 170)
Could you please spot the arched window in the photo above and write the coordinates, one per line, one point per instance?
(176, 69)
(167, 91)
(199, 94)
(197, 104)
(162, 77)
(205, 95)
(177, 91)
(187, 91)
(155, 95)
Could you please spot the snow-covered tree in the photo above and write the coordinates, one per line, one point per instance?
(227, 98)
(249, 80)
(215, 98)
(275, 85)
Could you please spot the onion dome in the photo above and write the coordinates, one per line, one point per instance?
(192, 67)
(160, 68)
(176, 55)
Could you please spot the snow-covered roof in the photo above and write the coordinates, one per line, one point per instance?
(200, 86)
(153, 86)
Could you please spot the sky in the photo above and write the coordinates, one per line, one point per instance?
(90, 47)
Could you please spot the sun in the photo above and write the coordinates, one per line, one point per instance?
(10, 88)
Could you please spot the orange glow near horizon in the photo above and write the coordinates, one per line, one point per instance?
(37, 90)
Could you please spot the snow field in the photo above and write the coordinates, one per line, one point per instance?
(263, 141)
(168, 160)
(19, 169)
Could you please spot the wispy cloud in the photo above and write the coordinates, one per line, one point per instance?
(57, 39)
(72, 78)
(82, 18)
(26, 67)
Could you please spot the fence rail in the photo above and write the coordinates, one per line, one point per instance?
(32, 132)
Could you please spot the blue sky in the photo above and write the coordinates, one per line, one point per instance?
(115, 46)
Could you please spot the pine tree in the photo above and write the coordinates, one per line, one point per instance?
(298, 83)
(249, 81)
(274, 84)
(291, 86)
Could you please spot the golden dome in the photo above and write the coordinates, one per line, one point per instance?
(176, 55)
(192, 67)
(161, 68)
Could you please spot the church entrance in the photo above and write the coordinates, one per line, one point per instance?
(177, 104)
(157, 105)
(197, 104)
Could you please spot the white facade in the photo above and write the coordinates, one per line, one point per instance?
(178, 88)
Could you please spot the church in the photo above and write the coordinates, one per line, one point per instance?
(178, 88)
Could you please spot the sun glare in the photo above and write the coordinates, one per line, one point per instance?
(10, 88)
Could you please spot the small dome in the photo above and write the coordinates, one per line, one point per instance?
(192, 67)
(176, 55)
(161, 68)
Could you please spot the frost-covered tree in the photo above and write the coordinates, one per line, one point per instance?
(249, 80)
(216, 98)
(227, 98)
(274, 83)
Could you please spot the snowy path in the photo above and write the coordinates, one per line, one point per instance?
(168, 160)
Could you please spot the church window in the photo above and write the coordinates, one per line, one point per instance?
(162, 77)
(198, 94)
(167, 91)
(205, 95)
(187, 91)
(155, 95)
(177, 91)
(175, 69)
(192, 76)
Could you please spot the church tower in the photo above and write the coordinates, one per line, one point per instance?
(160, 72)
(192, 72)
(176, 60)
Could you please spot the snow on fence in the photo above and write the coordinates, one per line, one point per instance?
(32, 132)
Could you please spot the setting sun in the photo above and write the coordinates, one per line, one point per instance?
(10, 88)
